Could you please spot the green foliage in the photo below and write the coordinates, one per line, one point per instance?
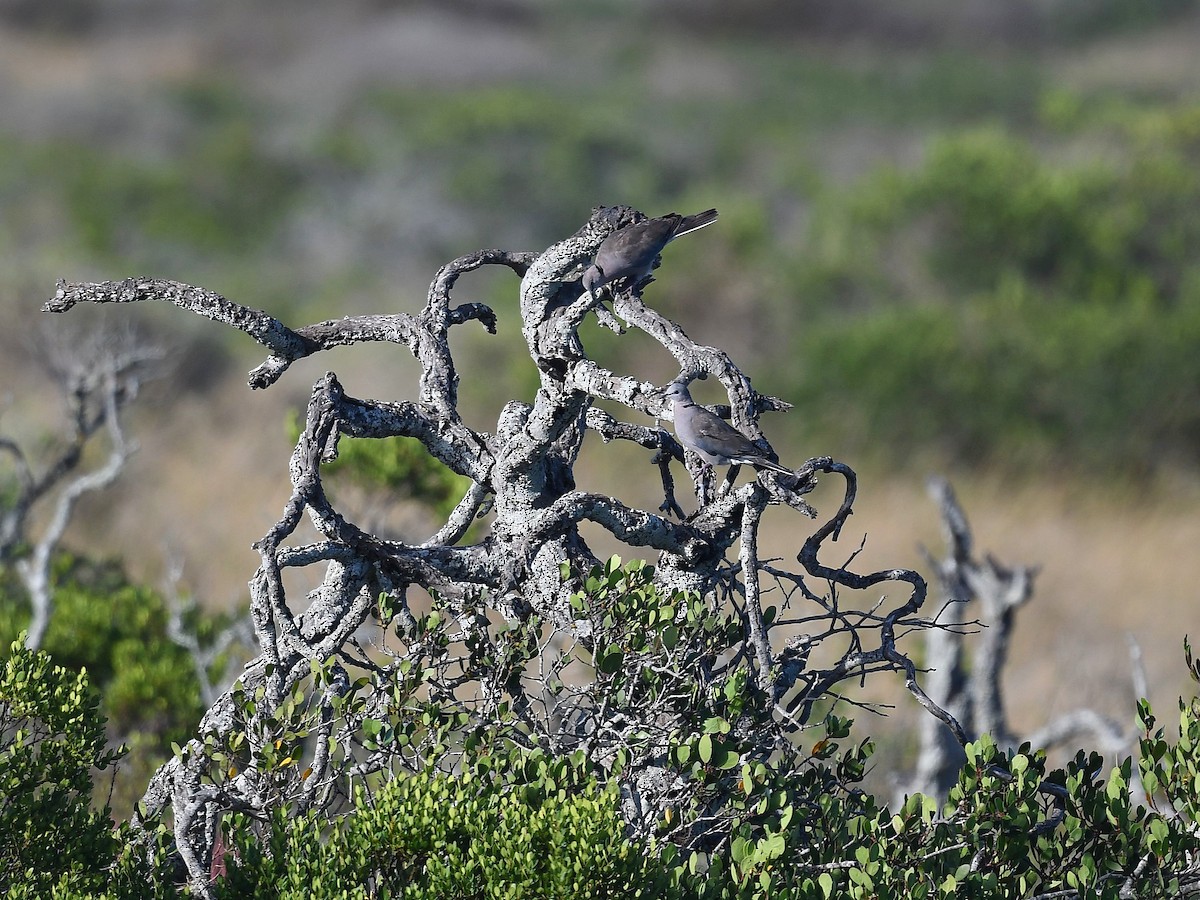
(1089, 233)
(1035, 309)
(1007, 375)
(117, 631)
(203, 191)
(222, 193)
(516, 825)
(1002, 834)
(400, 465)
(1081, 20)
(51, 738)
(735, 784)
(555, 149)
(519, 823)
(805, 91)
(1171, 772)
(516, 822)
(527, 147)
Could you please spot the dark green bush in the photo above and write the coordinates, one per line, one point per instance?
(427, 836)
(1011, 828)
(117, 630)
(1000, 305)
(224, 195)
(518, 823)
(52, 737)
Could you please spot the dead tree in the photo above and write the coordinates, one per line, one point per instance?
(982, 596)
(515, 609)
(99, 377)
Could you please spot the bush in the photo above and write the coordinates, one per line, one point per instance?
(524, 825)
(519, 823)
(117, 631)
(432, 835)
(51, 738)
(997, 306)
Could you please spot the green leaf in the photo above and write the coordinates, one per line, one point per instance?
(724, 757)
(682, 754)
(740, 850)
(610, 660)
(771, 848)
(716, 725)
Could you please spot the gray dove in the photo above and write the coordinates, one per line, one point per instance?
(712, 438)
(631, 251)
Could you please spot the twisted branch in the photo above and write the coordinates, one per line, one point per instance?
(511, 674)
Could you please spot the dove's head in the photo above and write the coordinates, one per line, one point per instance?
(677, 392)
(593, 280)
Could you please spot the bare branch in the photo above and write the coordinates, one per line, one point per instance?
(240, 631)
(752, 512)
(977, 697)
(34, 570)
(508, 632)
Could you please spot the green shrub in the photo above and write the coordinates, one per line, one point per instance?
(519, 823)
(51, 738)
(224, 194)
(790, 823)
(117, 631)
(524, 825)
(999, 305)
(428, 835)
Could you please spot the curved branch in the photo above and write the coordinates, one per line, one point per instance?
(629, 525)
(887, 651)
(450, 442)
(464, 513)
(286, 344)
(265, 329)
(35, 571)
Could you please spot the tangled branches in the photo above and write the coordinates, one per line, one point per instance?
(660, 673)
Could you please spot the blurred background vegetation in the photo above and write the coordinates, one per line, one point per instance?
(957, 235)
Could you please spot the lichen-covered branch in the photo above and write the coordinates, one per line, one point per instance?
(508, 626)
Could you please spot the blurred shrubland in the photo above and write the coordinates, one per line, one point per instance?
(1003, 303)
(928, 240)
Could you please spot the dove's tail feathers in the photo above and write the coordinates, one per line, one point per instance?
(764, 463)
(699, 220)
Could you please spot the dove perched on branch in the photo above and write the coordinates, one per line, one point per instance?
(712, 438)
(631, 251)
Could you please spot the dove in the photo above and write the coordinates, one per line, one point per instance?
(631, 251)
(712, 438)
